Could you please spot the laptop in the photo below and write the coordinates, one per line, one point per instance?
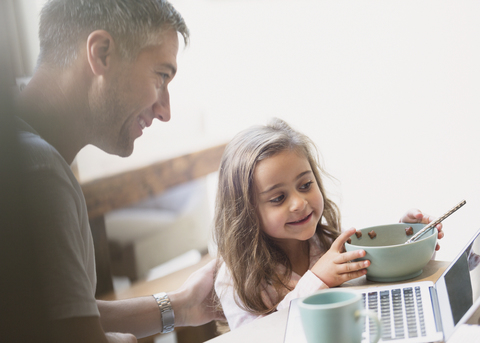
(420, 311)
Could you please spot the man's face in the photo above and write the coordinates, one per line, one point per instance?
(135, 95)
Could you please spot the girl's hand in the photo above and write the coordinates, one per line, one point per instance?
(416, 216)
(334, 267)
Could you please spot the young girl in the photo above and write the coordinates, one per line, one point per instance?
(278, 234)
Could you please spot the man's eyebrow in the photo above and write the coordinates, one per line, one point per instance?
(269, 189)
(171, 67)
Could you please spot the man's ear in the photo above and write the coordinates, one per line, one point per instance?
(100, 47)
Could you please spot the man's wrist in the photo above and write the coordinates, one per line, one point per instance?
(166, 311)
(179, 301)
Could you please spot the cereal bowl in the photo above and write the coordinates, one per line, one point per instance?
(390, 259)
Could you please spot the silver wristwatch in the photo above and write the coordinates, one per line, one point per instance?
(166, 310)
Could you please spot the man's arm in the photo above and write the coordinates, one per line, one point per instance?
(85, 330)
(193, 304)
(139, 316)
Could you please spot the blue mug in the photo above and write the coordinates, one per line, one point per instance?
(335, 315)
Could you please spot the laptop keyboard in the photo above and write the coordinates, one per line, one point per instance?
(400, 312)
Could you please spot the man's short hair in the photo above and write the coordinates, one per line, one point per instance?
(133, 24)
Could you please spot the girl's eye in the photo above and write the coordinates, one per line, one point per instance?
(306, 185)
(277, 199)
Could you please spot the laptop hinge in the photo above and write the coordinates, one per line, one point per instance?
(436, 309)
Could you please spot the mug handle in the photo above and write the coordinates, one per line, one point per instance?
(372, 315)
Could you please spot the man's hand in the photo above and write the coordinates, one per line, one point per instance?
(194, 303)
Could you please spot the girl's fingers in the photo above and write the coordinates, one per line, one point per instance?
(353, 275)
(412, 216)
(348, 256)
(337, 244)
(440, 236)
(440, 231)
(350, 267)
(427, 219)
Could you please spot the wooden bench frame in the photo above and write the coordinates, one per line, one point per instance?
(125, 189)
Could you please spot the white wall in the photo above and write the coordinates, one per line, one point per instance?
(389, 90)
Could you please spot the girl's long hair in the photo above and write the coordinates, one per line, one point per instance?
(250, 255)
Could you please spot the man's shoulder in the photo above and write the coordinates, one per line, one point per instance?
(35, 151)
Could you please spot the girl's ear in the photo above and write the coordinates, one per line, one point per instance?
(100, 47)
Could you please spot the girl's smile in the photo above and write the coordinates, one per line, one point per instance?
(302, 221)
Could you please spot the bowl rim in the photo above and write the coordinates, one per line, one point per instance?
(393, 245)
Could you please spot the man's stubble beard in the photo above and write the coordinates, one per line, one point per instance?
(110, 133)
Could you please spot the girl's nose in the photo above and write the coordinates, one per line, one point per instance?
(298, 203)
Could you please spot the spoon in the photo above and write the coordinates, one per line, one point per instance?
(420, 233)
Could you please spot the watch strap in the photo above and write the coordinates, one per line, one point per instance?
(166, 311)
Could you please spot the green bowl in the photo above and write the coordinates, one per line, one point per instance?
(390, 259)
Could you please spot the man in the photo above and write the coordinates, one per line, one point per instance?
(102, 77)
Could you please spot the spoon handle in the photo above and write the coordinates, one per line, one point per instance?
(435, 222)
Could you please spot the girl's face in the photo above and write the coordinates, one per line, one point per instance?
(289, 200)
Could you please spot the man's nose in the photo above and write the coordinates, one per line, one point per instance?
(161, 108)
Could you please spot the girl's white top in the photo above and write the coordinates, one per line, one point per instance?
(301, 285)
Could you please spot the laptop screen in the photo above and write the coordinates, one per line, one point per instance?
(459, 287)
